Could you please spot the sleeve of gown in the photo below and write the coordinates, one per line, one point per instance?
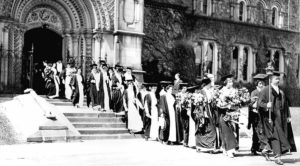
(263, 99)
(162, 105)
(147, 104)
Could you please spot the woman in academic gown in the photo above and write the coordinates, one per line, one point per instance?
(278, 132)
(205, 123)
(104, 89)
(93, 87)
(77, 84)
(70, 70)
(151, 113)
(131, 106)
(171, 130)
(49, 79)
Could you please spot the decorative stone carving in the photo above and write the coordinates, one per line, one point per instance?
(44, 16)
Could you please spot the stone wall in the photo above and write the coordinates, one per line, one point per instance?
(165, 25)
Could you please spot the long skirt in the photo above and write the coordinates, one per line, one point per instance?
(68, 89)
(206, 135)
(154, 128)
(117, 100)
(228, 137)
(78, 96)
(192, 131)
(135, 122)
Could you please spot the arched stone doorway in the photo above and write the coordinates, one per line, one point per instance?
(45, 45)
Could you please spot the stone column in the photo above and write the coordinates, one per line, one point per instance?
(88, 60)
(249, 11)
(240, 62)
(280, 19)
(250, 69)
(254, 53)
(97, 44)
(213, 7)
(232, 11)
(236, 11)
(75, 44)
(281, 61)
(215, 60)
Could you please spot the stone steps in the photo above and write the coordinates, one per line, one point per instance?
(99, 125)
(102, 130)
(100, 119)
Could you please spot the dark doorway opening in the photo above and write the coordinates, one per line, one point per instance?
(47, 46)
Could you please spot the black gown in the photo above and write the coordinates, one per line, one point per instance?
(164, 112)
(278, 134)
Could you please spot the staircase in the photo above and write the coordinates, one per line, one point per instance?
(94, 125)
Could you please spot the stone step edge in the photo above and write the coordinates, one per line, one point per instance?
(84, 137)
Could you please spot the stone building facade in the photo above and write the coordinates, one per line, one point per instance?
(227, 36)
(88, 30)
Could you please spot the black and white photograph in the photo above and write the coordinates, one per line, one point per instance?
(149, 82)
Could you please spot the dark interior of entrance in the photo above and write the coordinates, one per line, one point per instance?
(46, 46)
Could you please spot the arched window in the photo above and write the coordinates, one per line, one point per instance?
(241, 11)
(276, 61)
(245, 64)
(208, 59)
(198, 56)
(274, 16)
(235, 64)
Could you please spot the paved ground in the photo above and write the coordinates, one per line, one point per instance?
(126, 152)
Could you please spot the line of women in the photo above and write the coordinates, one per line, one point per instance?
(206, 117)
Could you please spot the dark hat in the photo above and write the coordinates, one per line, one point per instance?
(129, 68)
(205, 82)
(224, 78)
(118, 66)
(93, 65)
(181, 85)
(260, 76)
(102, 62)
(104, 65)
(278, 73)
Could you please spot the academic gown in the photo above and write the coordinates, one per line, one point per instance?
(148, 110)
(104, 91)
(92, 93)
(78, 94)
(50, 84)
(184, 120)
(253, 119)
(205, 126)
(134, 120)
(279, 133)
(116, 96)
(172, 131)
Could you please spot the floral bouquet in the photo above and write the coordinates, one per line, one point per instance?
(198, 99)
(244, 96)
(186, 101)
(228, 99)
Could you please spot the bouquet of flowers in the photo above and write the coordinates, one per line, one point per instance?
(198, 99)
(228, 99)
(244, 96)
(187, 101)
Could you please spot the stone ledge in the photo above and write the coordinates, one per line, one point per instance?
(118, 32)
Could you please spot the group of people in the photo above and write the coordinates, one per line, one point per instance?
(204, 117)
